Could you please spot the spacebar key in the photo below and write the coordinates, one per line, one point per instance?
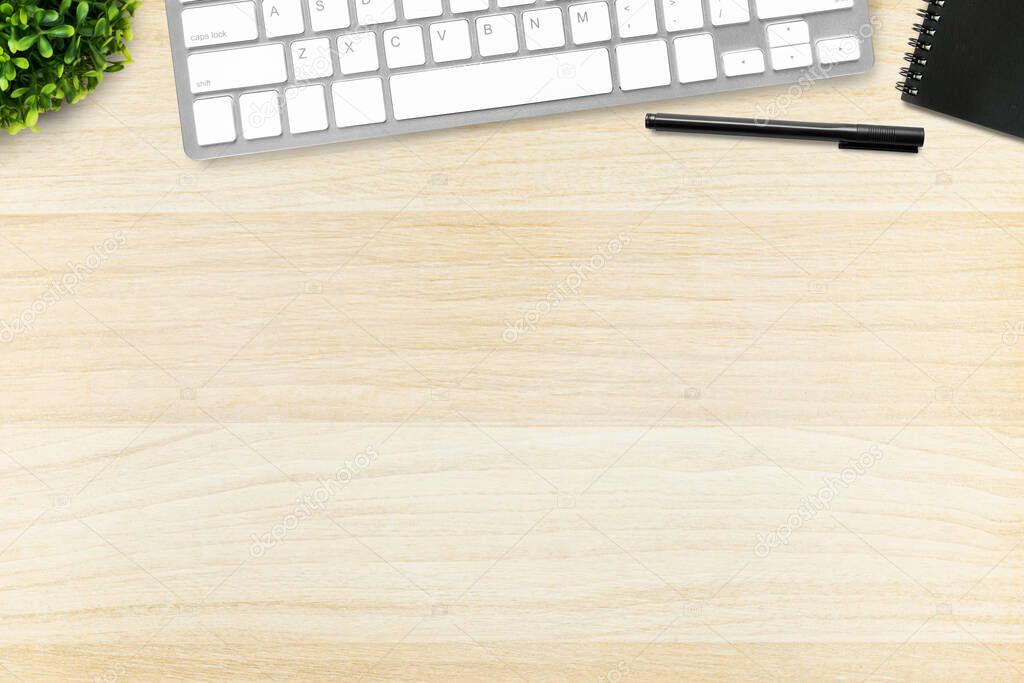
(507, 83)
(772, 9)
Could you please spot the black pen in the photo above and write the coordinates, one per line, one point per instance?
(848, 135)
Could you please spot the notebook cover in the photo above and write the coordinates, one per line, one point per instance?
(973, 70)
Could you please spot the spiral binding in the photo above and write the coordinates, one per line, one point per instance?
(922, 44)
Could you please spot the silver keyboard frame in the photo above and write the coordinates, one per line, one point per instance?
(843, 22)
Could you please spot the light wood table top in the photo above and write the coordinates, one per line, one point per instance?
(550, 400)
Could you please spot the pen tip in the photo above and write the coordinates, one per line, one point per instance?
(648, 120)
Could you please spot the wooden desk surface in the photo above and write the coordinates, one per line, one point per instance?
(550, 400)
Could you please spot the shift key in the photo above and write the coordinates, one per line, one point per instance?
(242, 67)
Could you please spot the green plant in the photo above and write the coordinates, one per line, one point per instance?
(56, 51)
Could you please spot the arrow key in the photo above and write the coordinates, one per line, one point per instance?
(743, 62)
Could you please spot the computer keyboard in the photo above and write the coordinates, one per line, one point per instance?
(262, 75)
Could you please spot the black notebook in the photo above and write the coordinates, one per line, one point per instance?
(967, 62)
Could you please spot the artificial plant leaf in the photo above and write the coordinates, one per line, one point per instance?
(25, 43)
(57, 51)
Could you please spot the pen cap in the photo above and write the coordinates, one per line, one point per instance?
(896, 138)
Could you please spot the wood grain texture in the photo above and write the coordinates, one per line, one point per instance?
(549, 400)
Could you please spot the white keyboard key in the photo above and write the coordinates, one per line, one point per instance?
(307, 110)
(404, 47)
(838, 50)
(219, 24)
(542, 29)
(419, 9)
(449, 41)
(772, 9)
(496, 35)
(791, 57)
(312, 59)
(505, 83)
(642, 65)
(790, 33)
(370, 12)
(589, 23)
(282, 18)
(261, 114)
(357, 53)
(215, 121)
(725, 12)
(743, 62)
(696, 59)
(327, 15)
(358, 103)
(242, 67)
(682, 15)
(636, 18)
(514, 3)
(463, 6)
